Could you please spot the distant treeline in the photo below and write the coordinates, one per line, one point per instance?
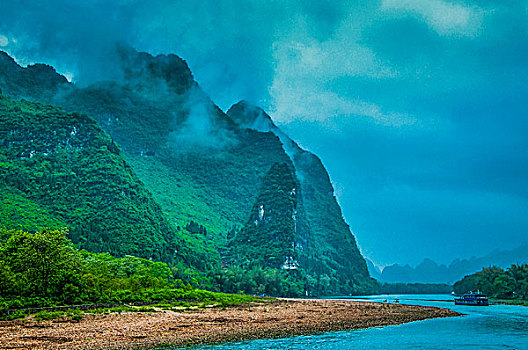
(511, 283)
(416, 288)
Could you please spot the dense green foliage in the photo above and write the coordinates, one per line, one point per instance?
(64, 164)
(18, 212)
(45, 269)
(511, 283)
(259, 281)
(268, 239)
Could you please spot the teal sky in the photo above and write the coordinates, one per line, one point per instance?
(418, 108)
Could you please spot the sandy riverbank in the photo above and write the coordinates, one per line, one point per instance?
(264, 320)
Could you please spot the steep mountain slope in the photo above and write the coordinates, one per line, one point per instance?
(373, 270)
(61, 168)
(329, 246)
(207, 170)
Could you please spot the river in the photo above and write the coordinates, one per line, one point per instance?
(491, 327)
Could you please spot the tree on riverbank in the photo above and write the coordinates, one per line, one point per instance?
(44, 269)
(511, 283)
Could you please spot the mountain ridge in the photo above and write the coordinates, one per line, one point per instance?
(208, 167)
(428, 271)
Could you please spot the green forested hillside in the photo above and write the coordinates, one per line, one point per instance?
(60, 168)
(18, 212)
(269, 237)
(213, 187)
(194, 167)
(207, 169)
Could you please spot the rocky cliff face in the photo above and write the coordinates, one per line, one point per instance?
(329, 248)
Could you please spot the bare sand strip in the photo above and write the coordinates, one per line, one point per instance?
(274, 319)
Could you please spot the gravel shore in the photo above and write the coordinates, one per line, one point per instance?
(272, 319)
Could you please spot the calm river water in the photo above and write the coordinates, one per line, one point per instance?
(492, 327)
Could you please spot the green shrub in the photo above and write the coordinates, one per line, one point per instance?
(145, 309)
(48, 315)
(13, 315)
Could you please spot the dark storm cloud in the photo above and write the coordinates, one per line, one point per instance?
(417, 107)
(74, 37)
(228, 44)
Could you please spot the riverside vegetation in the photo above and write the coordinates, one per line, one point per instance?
(509, 285)
(44, 269)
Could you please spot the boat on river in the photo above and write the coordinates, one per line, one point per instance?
(473, 299)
